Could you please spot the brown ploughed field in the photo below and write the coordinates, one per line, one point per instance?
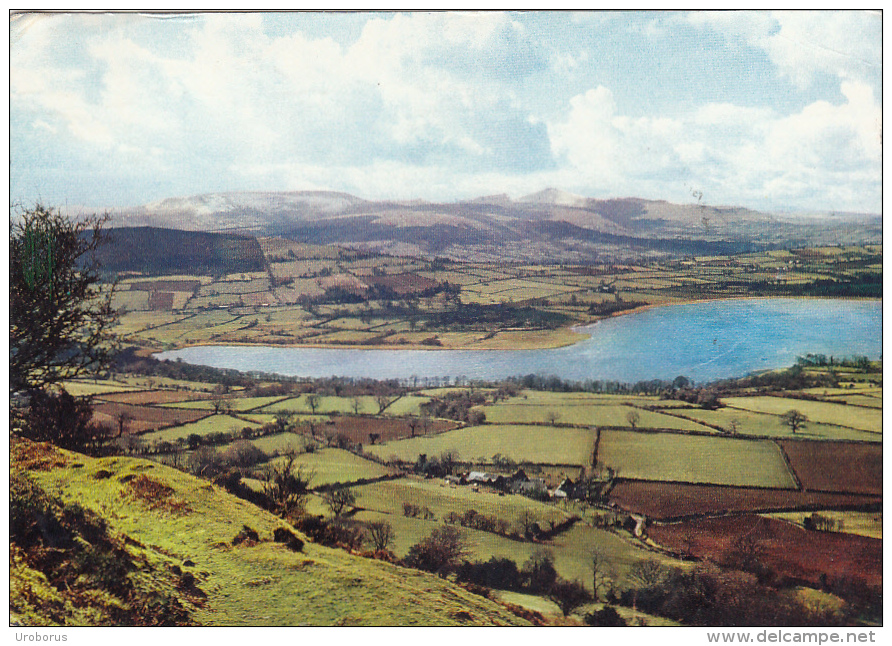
(785, 547)
(145, 418)
(837, 466)
(663, 500)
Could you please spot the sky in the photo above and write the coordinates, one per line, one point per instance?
(772, 111)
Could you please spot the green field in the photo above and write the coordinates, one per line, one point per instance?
(587, 412)
(870, 401)
(692, 458)
(234, 404)
(549, 608)
(767, 425)
(329, 466)
(838, 414)
(280, 442)
(362, 405)
(536, 444)
(80, 388)
(326, 405)
(387, 497)
(863, 523)
(212, 424)
(571, 549)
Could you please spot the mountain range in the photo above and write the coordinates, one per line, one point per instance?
(548, 226)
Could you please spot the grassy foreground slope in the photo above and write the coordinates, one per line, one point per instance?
(262, 583)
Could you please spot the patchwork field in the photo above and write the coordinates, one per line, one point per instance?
(280, 442)
(695, 459)
(535, 444)
(360, 429)
(83, 388)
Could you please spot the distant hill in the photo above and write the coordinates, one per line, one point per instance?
(154, 250)
(548, 226)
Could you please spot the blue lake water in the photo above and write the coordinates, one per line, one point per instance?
(702, 341)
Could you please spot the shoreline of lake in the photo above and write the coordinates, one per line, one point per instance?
(484, 348)
(729, 337)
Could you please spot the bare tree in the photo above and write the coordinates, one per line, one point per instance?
(381, 534)
(338, 500)
(176, 458)
(413, 424)
(526, 523)
(552, 417)
(645, 574)
(426, 422)
(374, 437)
(602, 572)
(449, 460)
(123, 419)
(438, 552)
(746, 552)
(384, 400)
(633, 417)
(286, 487)
(356, 404)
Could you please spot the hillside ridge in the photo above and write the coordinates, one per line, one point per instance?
(190, 531)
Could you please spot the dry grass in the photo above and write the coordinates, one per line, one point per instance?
(36, 456)
(156, 495)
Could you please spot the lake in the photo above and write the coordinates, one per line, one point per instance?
(702, 341)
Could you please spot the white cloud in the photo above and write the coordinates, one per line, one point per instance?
(746, 155)
(804, 44)
(409, 80)
(430, 105)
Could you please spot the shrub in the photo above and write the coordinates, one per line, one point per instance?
(500, 573)
(64, 420)
(205, 461)
(568, 595)
(246, 535)
(289, 538)
(607, 617)
(243, 454)
(539, 573)
(441, 550)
